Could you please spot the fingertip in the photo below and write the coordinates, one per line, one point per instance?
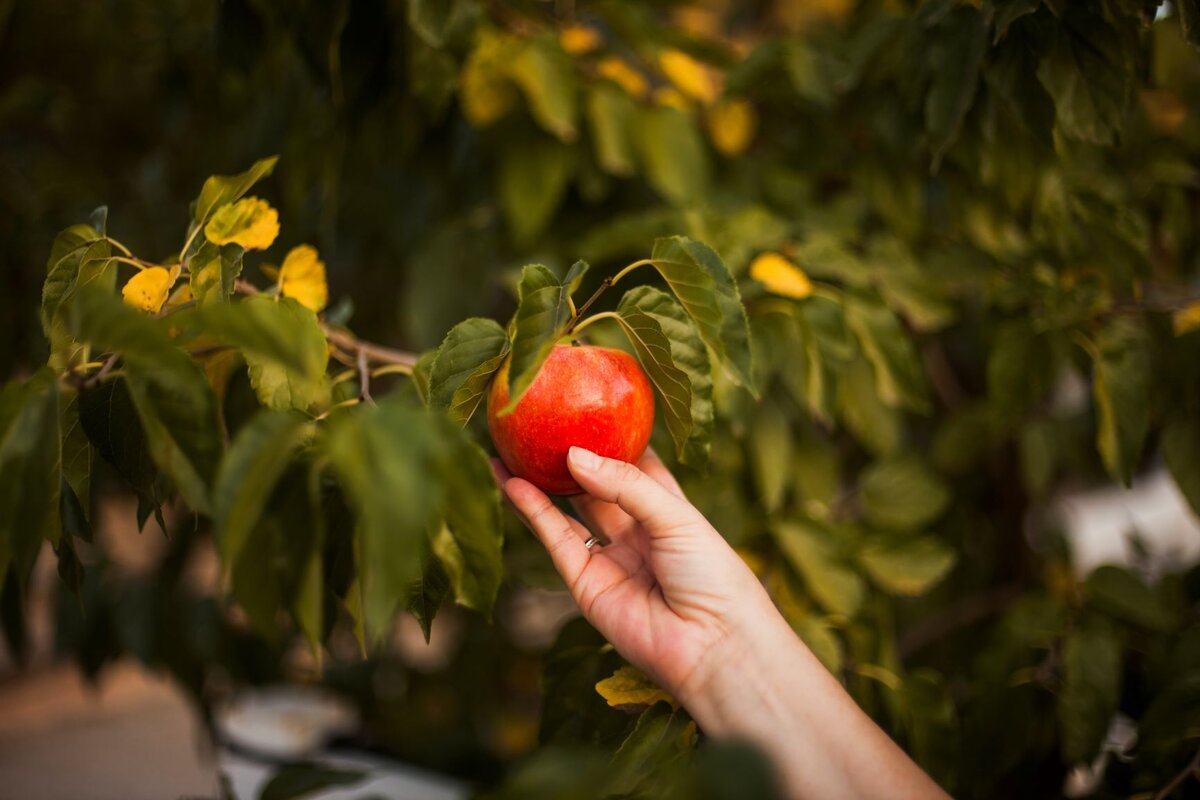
(500, 471)
(580, 458)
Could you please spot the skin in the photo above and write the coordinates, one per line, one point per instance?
(595, 397)
(676, 601)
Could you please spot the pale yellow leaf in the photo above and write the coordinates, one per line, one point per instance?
(148, 289)
(628, 686)
(579, 39)
(180, 297)
(694, 79)
(780, 276)
(671, 97)
(621, 73)
(1187, 319)
(731, 126)
(250, 222)
(302, 277)
(484, 88)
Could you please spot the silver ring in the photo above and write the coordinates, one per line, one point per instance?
(591, 542)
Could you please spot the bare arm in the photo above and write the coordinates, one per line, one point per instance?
(675, 599)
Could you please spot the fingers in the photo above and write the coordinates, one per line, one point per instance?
(562, 536)
(653, 466)
(638, 494)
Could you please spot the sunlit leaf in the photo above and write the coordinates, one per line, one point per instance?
(629, 686)
(250, 222)
(546, 74)
(910, 567)
(612, 115)
(902, 493)
(694, 79)
(780, 276)
(578, 40)
(624, 75)
(831, 583)
(731, 125)
(147, 290)
(302, 276)
(898, 373)
(214, 271)
(466, 360)
(221, 189)
(542, 315)
(672, 154)
(486, 91)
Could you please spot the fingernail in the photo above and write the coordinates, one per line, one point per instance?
(584, 459)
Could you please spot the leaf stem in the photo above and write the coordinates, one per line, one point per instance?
(643, 262)
(119, 246)
(595, 317)
(573, 323)
(137, 262)
(364, 378)
(392, 369)
(191, 238)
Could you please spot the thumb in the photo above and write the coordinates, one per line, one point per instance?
(638, 495)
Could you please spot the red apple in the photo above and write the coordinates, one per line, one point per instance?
(593, 397)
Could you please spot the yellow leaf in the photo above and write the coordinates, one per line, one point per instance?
(579, 39)
(181, 296)
(672, 98)
(621, 73)
(302, 277)
(731, 126)
(148, 289)
(780, 276)
(250, 222)
(694, 79)
(485, 90)
(1187, 319)
(628, 686)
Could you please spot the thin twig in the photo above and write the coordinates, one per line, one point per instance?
(1192, 769)
(106, 368)
(604, 284)
(364, 378)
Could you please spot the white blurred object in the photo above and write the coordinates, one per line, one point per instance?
(286, 722)
(1098, 524)
(1085, 779)
(381, 778)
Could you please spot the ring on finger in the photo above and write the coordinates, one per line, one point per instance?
(592, 542)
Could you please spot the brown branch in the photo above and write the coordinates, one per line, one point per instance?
(1191, 770)
(102, 373)
(604, 284)
(364, 378)
(963, 614)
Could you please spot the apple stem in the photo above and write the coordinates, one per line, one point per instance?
(594, 317)
(604, 284)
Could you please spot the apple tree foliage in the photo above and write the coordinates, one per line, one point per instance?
(900, 274)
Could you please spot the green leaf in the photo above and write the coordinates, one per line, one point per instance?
(1181, 450)
(707, 291)
(660, 737)
(1121, 389)
(1019, 369)
(29, 468)
(170, 392)
(284, 346)
(299, 780)
(878, 427)
(533, 175)
(432, 20)
(1012, 76)
(1119, 593)
(1009, 11)
(898, 375)
(673, 155)
(110, 421)
(837, 588)
(466, 360)
(689, 354)
(546, 74)
(1086, 74)
(612, 114)
(955, 55)
(542, 316)
(911, 567)
(221, 189)
(421, 372)
(902, 493)
(251, 467)
(1091, 664)
(71, 248)
(818, 635)
(428, 592)
(214, 271)
(76, 451)
(390, 446)
(470, 547)
(771, 455)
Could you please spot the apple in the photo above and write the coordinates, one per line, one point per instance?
(584, 396)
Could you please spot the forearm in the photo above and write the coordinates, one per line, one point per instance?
(771, 691)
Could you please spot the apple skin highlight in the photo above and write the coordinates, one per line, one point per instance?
(584, 396)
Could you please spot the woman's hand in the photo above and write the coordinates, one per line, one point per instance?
(663, 587)
(675, 599)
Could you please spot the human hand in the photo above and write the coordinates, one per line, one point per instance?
(663, 587)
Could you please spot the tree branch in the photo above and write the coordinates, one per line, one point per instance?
(1192, 769)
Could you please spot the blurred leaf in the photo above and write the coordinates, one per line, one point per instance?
(663, 735)
(214, 271)
(689, 354)
(108, 417)
(250, 223)
(1171, 716)
(911, 567)
(542, 315)
(299, 780)
(470, 549)
(877, 426)
(1121, 390)
(427, 594)
(955, 55)
(902, 493)
(629, 686)
(672, 154)
(1009, 11)
(780, 276)
(257, 457)
(72, 247)
(1013, 76)
(221, 189)
(463, 367)
(1181, 450)
(838, 589)
(612, 115)
(546, 74)
(533, 177)
(818, 635)
(899, 378)
(771, 455)
(1084, 72)
(76, 452)
(432, 20)
(1119, 592)
(691, 77)
(1091, 684)
(707, 291)
(817, 475)
(302, 276)
(732, 124)
(486, 91)
(29, 469)
(1189, 19)
(1019, 370)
